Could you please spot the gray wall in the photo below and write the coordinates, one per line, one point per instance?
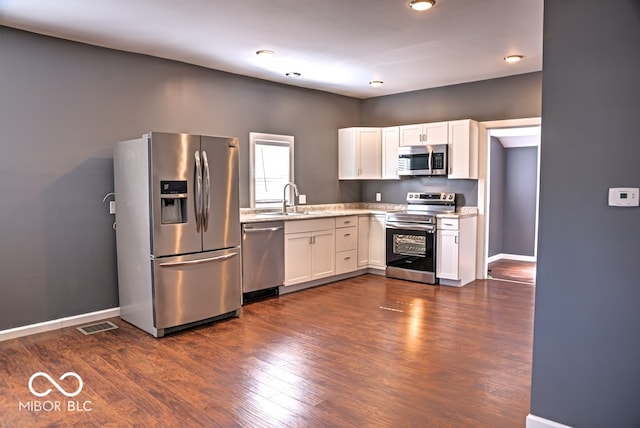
(510, 97)
(520, 188)
(496, 196)
(513, 187)
(63, 105)
(587, 316)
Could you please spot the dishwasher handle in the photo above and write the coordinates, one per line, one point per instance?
(263, 229)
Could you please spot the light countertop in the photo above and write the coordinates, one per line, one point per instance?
(306, 212)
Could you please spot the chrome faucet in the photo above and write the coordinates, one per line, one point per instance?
(284, 197)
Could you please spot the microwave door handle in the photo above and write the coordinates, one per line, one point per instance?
(430, 159)
(198, 190)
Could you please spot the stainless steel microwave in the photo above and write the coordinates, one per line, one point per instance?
(422, 160)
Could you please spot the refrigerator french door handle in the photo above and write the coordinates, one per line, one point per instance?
(207, 187)
(198, 191)
(199, 261)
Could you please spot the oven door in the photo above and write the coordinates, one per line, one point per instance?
(411, 251)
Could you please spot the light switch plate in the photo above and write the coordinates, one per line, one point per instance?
(302, 199)
(623, 196)
(112, 207)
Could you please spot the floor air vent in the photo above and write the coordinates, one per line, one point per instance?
(97, 327)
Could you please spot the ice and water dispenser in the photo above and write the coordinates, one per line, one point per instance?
(173, 202)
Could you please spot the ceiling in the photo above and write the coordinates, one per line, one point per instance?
(518, 137)
(337, 46)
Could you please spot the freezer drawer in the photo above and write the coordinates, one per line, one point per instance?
(196, 287)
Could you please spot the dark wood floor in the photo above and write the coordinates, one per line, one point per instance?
(513, 270)
(365, 352)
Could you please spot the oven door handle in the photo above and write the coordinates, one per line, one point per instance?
(412, 226)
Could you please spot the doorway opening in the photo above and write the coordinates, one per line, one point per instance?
(508, 200)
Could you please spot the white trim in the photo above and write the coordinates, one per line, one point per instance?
(59, 323)
(517, 257)
(538, 422)
(482, 246)
(268, 139)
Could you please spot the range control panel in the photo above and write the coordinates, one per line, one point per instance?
(419, 197)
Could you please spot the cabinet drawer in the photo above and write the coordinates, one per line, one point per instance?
(346, 238)
(298, 226)
(346, 261)
(346, 221)
(448, 223)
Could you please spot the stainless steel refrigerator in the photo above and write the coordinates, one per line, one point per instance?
(177, 230)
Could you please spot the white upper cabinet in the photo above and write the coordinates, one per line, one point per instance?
(424, 133)
(390, 143)
(463, 149)
(359, 153)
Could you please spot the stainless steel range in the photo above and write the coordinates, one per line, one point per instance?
(411, 236)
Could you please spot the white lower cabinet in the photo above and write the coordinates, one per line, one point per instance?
(363, 240)
(448, 254)
(321, 248)
(346, 244)
(377, 242)
(371, 241)
(309, 250)
(456, 250)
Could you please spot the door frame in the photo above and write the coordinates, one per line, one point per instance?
(483, 184)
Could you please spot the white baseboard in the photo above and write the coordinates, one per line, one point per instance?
(42, 327)
(538, 422)
(517, 257)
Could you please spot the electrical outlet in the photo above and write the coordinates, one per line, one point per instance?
(378, 197)
(112, 207)
(302, 199)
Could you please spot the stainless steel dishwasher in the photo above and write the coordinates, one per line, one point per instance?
(262, 259)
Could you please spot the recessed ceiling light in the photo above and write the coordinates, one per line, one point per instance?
(376, 83)
(513, 58)
(422, 4)
(265, 53)
(292, 74)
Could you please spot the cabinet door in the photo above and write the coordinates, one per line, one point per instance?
(435, 133)
(370, 152)
(411, 135)
(463, 149)
(323, 253)
(363, 241)
(348, 156)
(297, 258)
(377, 242)
(390, 143)
(447, 254)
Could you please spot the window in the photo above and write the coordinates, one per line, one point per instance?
(271, 167)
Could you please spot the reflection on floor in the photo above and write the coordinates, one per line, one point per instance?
(513, 270)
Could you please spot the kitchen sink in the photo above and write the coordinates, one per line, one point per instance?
(321, 212)
(278, 214)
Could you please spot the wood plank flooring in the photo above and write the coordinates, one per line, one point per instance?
(513, 270)
(364, 352)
